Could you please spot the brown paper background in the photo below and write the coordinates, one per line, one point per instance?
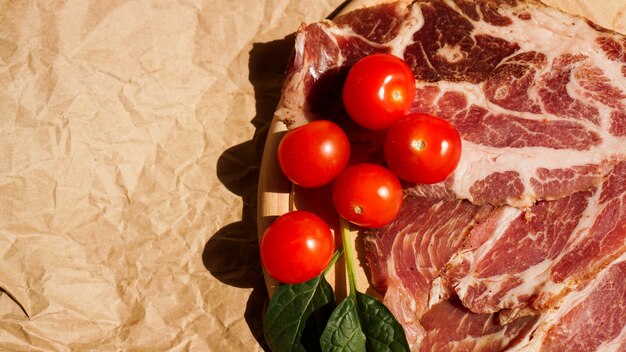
(130, 141)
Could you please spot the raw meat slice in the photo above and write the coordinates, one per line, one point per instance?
(592, 318)
(518, 79)
(523, 262)
(406, 255)
(451, 327)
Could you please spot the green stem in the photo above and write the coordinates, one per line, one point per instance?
(333, 260)
(347, 248)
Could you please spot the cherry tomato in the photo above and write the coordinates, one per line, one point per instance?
(297, 247)
(421, 148)
(368, 195)
(379, 89)
(314, 154)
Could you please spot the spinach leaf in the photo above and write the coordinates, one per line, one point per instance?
(361, 322)
(343, 332)
(297, 314)
(383, 331)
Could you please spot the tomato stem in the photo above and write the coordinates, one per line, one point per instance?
(347, 248)
(333, 260)
(418, 145)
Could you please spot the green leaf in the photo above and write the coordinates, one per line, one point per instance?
(383, 331)
(297, 314)
(343, 332)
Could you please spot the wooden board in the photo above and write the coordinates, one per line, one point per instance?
(276, 194)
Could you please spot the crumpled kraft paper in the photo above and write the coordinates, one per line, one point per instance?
(130, 141)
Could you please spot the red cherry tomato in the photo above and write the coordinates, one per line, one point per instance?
(368, 195)
(421, 148)
(379, 89)
(297, 247)
(314, 154)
